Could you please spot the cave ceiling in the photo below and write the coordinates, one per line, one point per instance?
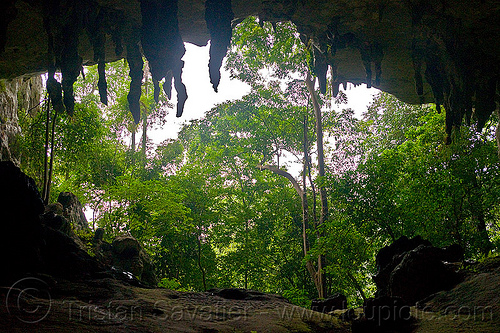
(421, 51)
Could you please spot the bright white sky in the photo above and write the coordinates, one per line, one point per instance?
(202, 98)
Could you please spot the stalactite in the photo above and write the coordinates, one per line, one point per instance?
(485, 100)
(335, 83)
(419, 84)
(115, 27)
(461, 78)
(102, 84)
(377, 57)
(97, 37)
(320, 69)
(331, 42)
(436, 80)
(54, 90)
(135, 64)
(163, 46)
(371, 53)
(181, 90)
(167, 85)
(63, 25)
(218, 15)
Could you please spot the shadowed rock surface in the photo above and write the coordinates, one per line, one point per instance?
(419, 50)
(73, 211)
(414, 269)
(332, 303)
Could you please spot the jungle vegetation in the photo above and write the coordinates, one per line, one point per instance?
(276, 191)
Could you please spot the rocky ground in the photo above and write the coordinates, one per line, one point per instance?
(43, 304)
(107, 305)
(76, 292)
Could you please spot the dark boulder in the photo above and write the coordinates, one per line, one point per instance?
(73, 211)
(232, 293)
(55, 208)
(416, 269)
(63, 257)
(421, 273)
(56, 222)
(126, 247)
(31, 243)
(98, 235)
(348, 315)
(243, 294)
(129, 256)
(400, 246)
(334, 302)
(389, 257)
(20, 227)
(452, 253)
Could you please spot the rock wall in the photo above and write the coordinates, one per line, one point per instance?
(73, 211)
(19, 93)
(421, 51)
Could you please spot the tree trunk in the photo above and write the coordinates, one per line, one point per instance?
(144, 132)
(52, 153)
(356, 285)
(203, 275)
(305, 204)
(133, 140)
(46, 157)
(315, 274)
(321, 171)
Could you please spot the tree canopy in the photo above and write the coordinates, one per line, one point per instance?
(239, 198)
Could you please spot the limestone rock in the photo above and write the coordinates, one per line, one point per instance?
(243, 294)
(56, 208)
(20, 227)
(57, 222)
(15, 94)
(27, 245)
(334, 302)
(389, 257)
(129, 256)
(422, 273)
(414, 269)
(64, 257)
(445, 52)
(73, 211)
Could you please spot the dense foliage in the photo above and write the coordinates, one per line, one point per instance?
(210, 217)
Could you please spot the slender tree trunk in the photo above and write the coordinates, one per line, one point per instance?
(133, 140)
(144, 132)
(315, 274)
(321, 156)
(203, 275)
(305, 211)
(321, 171)
(305, 208)
(313, 190)
(247, 262)
(356, 285)
(145, 111)
(52, 154)
(46, 155)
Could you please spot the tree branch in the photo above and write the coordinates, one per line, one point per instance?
(285, 174)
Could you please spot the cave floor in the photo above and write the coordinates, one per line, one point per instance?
(43, 304)
(107, 305)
